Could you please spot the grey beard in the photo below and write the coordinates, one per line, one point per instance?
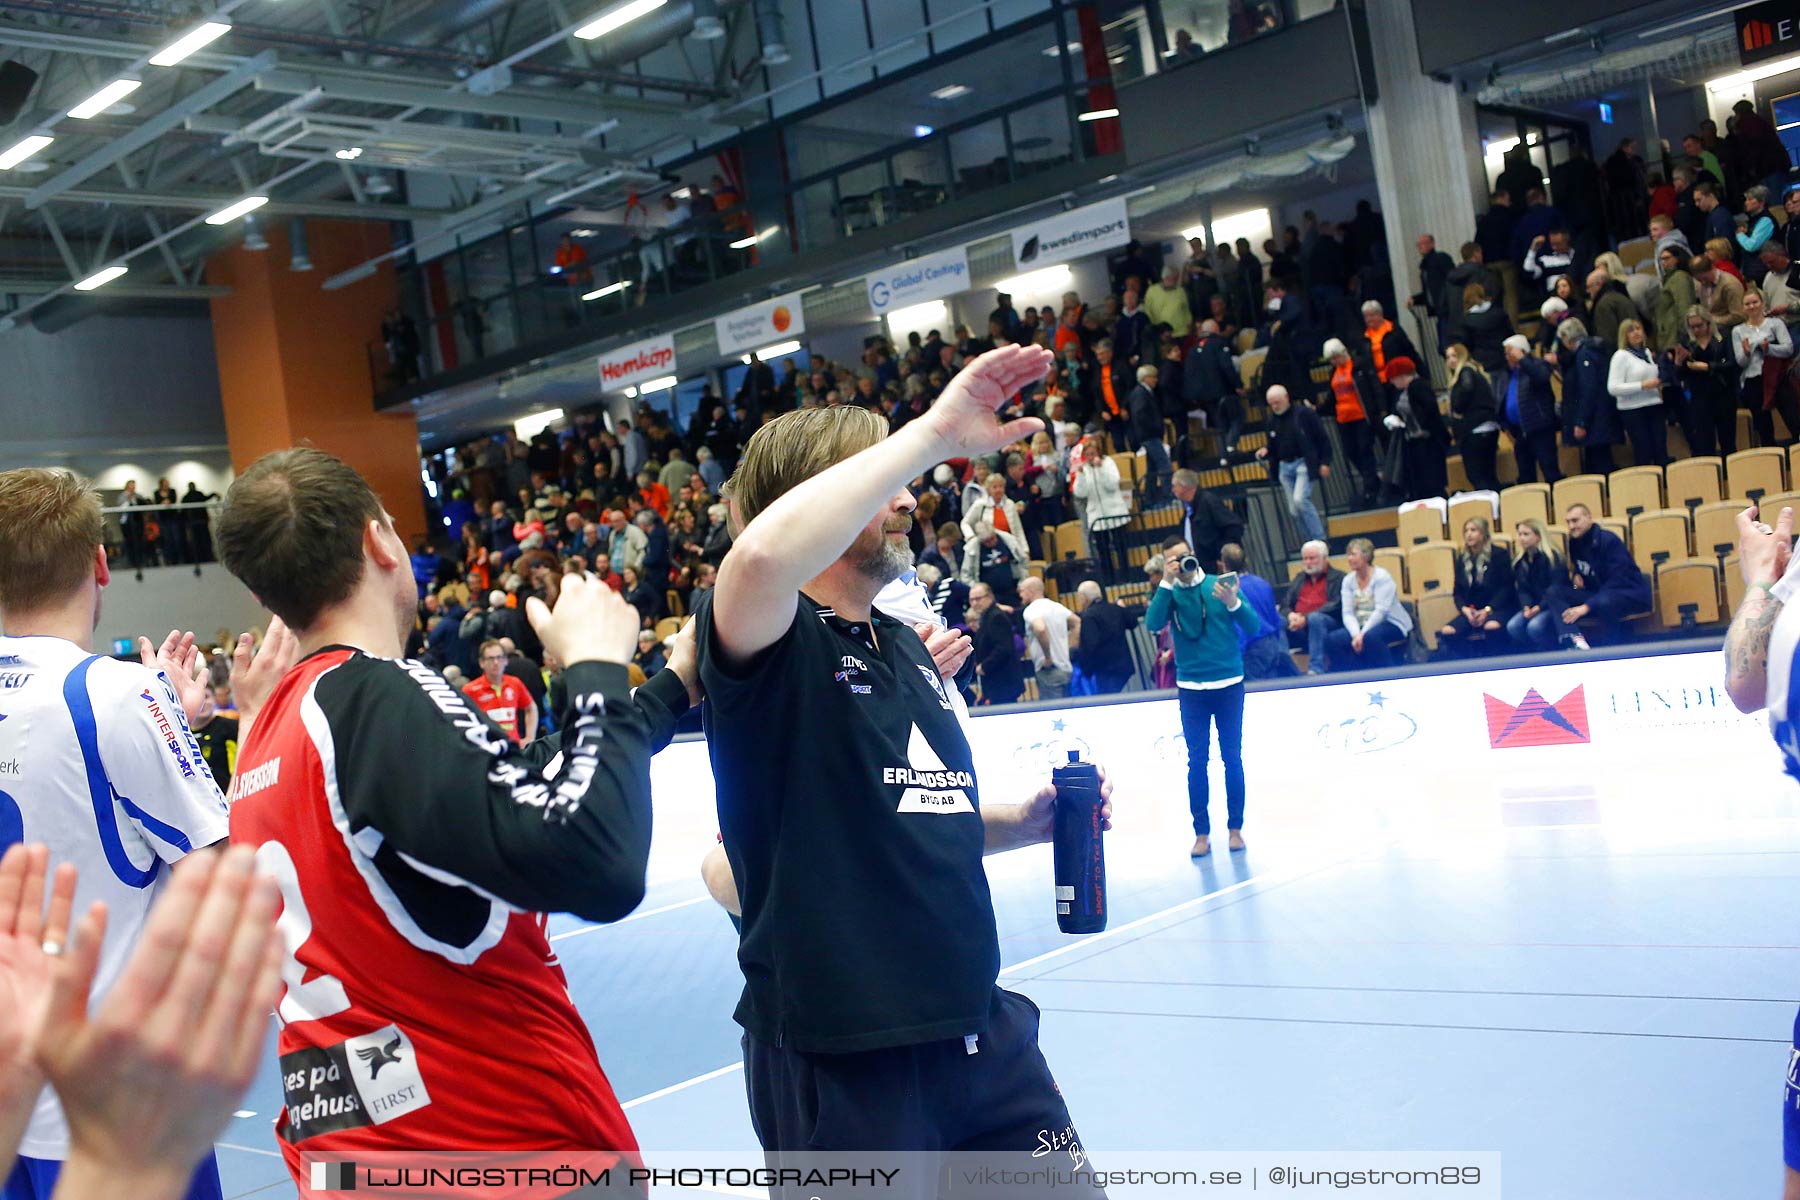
(885, 562)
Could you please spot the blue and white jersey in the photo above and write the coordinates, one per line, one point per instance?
(98, 763)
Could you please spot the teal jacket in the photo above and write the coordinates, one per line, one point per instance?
(1206, 641)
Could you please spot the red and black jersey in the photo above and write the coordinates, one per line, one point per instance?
(413, 843)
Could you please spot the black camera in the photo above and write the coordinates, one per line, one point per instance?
(1190, 565)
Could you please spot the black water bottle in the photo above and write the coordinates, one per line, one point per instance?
(1080, 852)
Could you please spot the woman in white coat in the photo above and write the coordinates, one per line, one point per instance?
(994, 507)
(1104, 509)
(1636, 384)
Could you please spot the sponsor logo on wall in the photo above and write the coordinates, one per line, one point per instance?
(640, 361)
(918, 280)
(1071, 234)
(760, 324)
(1535, 721)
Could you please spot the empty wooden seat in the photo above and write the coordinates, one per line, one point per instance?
(1687, 595)
(1715, 529)
(1431, 567)
(1692, 482)
(1422, 524)
(1658, 538)
(1462, 510)
(1580, 489)
(1524, 500)
(1435, 610)
(1394, 559)
(1754, 474)
(1634, 490)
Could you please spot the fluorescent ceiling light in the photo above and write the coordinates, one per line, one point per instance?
(528, 427)
(24, 150)
(608, 290)
(1743, 79)
(1228, 227)
(1072, 48)
(608, 21)
(100, 278)
(188, 43)
(919, 316)
(350, 153)
(105, 98)
(581, 233)
(744, 243)
(682, 193)
(950, 92)
(1098, 114)
(1036, 282)
(778, 350)
(661, 383)
(230, 213)
(923, 131)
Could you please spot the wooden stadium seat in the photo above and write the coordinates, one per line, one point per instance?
(1246, 338)
(1559, 537)
(1636, 250)
(1435, 611)
(667, 628)
(1580, 489)
(1457, 474)
(1432, 568)
(1127, 464)
(1617, 525)
(1394, 559)
(1659, 538)
(1047, 541)
(673, 600)
(1070, 540)
(1568, 458)
(1250, 368)
(1525, 500)
(1422, 524)
(1746, 433)
(1754, 474)
(1734, 585)
(1695, 481)
(1772, 505)
(1462, 510)
(1634, 490)
(1715, 529)
(1793, 453)
(1687, 595)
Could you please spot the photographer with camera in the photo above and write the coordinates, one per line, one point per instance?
(1206, 613)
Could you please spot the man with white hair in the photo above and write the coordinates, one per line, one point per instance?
(1166, 303)
(1297, 454)
(1147, 432)
(1103, 655)
(627, 542)
(1551, 313)
(1050, 630)
(1313, 605)
(1528, 407)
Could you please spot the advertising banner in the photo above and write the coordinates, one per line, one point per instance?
(775, 320)
(918, 280)
(633, 364)
(1063, 236)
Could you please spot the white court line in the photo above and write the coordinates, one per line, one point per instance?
(685, 1084)
(636, 916)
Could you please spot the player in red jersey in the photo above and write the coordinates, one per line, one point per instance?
(413, 841)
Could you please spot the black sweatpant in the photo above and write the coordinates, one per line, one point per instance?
(993, 1093)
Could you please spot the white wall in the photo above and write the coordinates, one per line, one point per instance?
(173, 598)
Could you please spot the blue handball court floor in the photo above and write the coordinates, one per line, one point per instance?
(1551, 913)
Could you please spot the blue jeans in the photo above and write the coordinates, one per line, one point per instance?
(1375, 652)
(1296, 485)
(1538, 633)
(1200, 711)
(1319, 628)
(1157, 472)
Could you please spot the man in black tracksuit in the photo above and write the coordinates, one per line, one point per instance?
(1608, 585)
(1147, 435)
(1298, 454)
(1210, 384)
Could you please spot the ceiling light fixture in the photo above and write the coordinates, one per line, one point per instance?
(778, 350)
(608, 290)
(606, 22)
(950, 92)
(196, 39)
(350, 154)
(100, 278)
(23, 150)
(744, 243)
(232, 212)
(661, 383)
(105, 98)
(1098, 114)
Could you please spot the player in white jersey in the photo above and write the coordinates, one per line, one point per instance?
(96, 758)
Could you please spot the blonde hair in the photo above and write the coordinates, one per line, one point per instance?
(50, 524)
(1719, 250)
(1545, 546)
(1625, 328)
(796, 446)
(1464, 361)
(1478, 560)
